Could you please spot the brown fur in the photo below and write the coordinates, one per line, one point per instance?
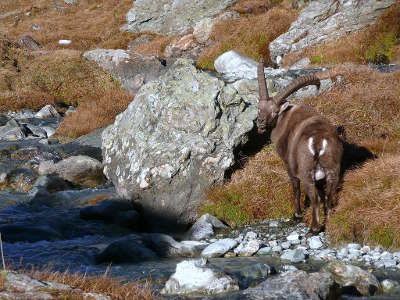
(292, 127)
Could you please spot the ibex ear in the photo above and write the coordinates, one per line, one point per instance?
(285, 106)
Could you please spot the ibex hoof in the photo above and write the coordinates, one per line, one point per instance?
(297, 217)
(315, 231)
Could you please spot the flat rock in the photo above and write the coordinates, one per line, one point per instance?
(293, 255)
(296, 285)
(315, 242)
(219, 248)
(132, 70)
(193, 276)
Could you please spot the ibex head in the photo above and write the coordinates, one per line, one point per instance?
(269, 109)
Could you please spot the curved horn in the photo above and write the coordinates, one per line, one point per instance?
(295, 86)
(262, 84)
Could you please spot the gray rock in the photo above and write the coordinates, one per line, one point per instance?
(219, 248)
(285, 245)
(132, 70)
(81, 170)
(28, 42)
(166, 246)
(352, 276)
(248, 247)
(326, 20)
(389, 263)
(301, 64)
(192, 276)
(295, 285)
(168, 17)
(315, 242)
(293, 238)
(128, 249)
(354, 246)
(204, 227)
(47, 112)
(176, 139)
(92, 139)
(293, 255)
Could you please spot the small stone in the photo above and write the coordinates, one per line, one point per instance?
(397, 255)
(248, 248)
(277, 249)
(365, 250)
(47, 112)
(289, 268)
(388, 286)
(389, 263)
(293, 237)
(343, 253)
(219, 248)
(193, 276)
(64, 42)
(273, 243)
(315, 242)
(264, 251)
(250, 236)
(273, 223)
(386, 256)
(296, 255)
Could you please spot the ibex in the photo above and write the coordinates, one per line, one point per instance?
(308, 144)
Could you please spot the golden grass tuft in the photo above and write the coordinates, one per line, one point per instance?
(89, 24)
(376, 44)
(113, 287)
(94, 113)
(369, 206)
(250, 35)
(260, 190)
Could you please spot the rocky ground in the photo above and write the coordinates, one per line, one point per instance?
(124, 199)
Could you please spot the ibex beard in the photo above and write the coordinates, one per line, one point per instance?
(308, 143)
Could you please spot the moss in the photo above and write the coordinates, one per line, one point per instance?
(382, 51)
(316, 59)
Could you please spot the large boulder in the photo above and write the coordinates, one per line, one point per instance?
(130, 69)
(169, 17)
(176, 139)
(326, 20)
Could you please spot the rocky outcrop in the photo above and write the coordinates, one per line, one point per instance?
(204, 227)
(132, 70)
(169, 17)
(176, 139)
(326, 20)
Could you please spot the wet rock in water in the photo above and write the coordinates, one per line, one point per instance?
(295, 285)
(128, 249)
(175, 140)
(13, 131)
(326, 20)
(219, 248)
(168, 17)
(204, 227)
(28, 233)
(315, 242)
(21, 286)
(390, 287)
(47, 112)
(193, 276)
(353, 277)
(166, 246)
(130, 69)
(294, 255)
(119, 212)
(52, 184)
(80, 170)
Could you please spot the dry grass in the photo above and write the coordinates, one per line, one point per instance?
(250, 35)
(369, 207)
(260, 190)
(113, 287)
(377, 44)
(96, 113)
(89, 24)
